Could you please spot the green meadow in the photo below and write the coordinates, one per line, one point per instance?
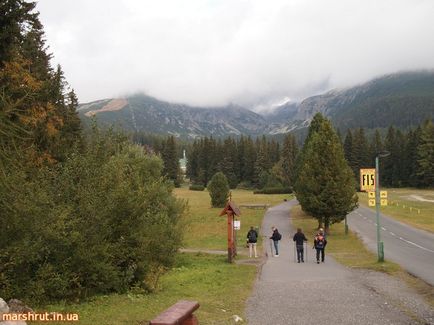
(221, 288)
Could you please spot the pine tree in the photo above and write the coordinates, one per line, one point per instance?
(170, 158)
(413, 142)
(325, 184)
(227, 162)
(33, 97)
(218, 189)
(360, 152)
(375, 147)
(425, 155)
(286, 165)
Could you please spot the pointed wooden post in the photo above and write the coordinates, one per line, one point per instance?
(231, 210)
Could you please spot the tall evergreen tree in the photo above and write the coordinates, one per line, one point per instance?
(227, 163)
(170, 158)
(411, 157)
(425, 155)
(325, 184)
(286, 165)
(375, 147)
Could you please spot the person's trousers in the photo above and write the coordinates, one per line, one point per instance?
(276, 246)
(320, 251)
(300, 253)
(252, 249)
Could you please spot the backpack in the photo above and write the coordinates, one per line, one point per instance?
(253, 236)
(320, 241)
(278, 236)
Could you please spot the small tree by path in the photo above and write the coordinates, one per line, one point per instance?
(218, 189)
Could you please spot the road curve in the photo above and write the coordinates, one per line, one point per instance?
(411, 248)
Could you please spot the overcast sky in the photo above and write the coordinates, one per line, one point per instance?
(212, 52)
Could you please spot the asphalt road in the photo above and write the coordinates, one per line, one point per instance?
(411, 248)
(310, 293)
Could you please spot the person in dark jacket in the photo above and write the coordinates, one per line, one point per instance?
(276, 236)
(319, 243)
(299, 239)
(252, 239)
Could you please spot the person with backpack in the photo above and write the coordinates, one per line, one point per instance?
(319, 243)
(299, 239)
(276, 236)
(252, 239)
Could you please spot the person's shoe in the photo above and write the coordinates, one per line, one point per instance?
(298, 261)
(302, 261)
(277, 255)
(317, 262)
(322, 261)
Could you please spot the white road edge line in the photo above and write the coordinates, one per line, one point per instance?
(414, 244)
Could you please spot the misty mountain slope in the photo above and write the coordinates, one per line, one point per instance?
(403, 100)
(145, 113)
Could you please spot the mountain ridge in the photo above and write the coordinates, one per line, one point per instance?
(404, 99)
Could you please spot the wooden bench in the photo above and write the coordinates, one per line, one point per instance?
(255, 206)
(180, 313)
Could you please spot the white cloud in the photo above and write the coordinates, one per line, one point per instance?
(211, 52)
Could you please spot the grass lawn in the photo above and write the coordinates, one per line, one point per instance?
(221, 288)
(403, 205)
(207, 230)
(350, 251)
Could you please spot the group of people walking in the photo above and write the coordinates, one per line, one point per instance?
(319, 243)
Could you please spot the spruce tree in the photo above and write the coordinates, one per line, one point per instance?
(325, 184)
(286, 165)
(171, 161)
(218, 189)
(425, 156)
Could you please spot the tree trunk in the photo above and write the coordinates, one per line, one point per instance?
(327, 225)
(319, 223)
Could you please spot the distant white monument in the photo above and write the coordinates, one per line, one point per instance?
(183, 162)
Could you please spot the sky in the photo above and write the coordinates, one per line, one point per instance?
(248, 52)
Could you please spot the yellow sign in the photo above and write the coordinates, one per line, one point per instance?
(383, 194)
(371, 195)
(367, 179)
(371, 202)
(383, 202)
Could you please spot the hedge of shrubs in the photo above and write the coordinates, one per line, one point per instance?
(196, 188)
(274, 190)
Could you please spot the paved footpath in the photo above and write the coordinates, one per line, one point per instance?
(308, 293)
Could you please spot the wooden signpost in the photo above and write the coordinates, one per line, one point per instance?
(231, 210)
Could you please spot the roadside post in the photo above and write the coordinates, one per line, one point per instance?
(378, 202)
(370, 182)
(231, 210)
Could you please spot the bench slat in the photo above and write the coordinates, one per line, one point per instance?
(176, 314)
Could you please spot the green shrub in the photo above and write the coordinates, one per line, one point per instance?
(102, 221)
(274, 190)
(218, 189)
(196, 188)
(245, 186)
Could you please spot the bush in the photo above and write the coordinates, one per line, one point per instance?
(196, 188)
(274, 190)
(103, 221)
(218, 189)
(245, 186)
